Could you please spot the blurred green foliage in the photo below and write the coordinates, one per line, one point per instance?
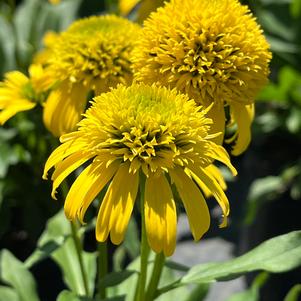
(25, 203)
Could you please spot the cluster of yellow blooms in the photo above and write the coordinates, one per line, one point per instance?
(165, 94)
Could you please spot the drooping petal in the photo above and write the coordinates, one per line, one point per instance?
(13, 109)
(243, 115)
(217, 114)
(117, 205)
(215, 173)
(60, 153)
(194, 202)
(217, 152)
(67, 166)
(202, 177)
(160, 214)
(64, 107)
(123, 204)
(15, 79)
(85, 188)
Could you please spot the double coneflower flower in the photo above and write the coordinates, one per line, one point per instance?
(135, 132)
(91, 56)
(212, 50)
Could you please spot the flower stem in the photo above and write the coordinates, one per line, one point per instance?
(77, 243)
(79, 250)
(155, 278)
(102, 268)
(140, 292)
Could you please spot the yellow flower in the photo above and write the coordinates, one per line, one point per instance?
(212, 50)
(137, 130)
(19, 93)
(92, 55)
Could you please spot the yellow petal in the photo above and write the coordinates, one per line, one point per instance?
(219, 153)
(97, 184)
(15, 79)
(67, 166)
(60, 153)
(126, 188)
(13, 109)
(117, 205)
(160, 215)
(86, 187)
(63, 108)
(126, 6)
(217, 114)
(243, 115)
(201, 177)
(215, 172)
(194, 202)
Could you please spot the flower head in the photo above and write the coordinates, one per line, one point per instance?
(21, 93)
(93, 54)
(212, 50)
(137, 130)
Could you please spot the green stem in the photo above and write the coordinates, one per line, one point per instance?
(102, 268)
(155, 278)
(77, 243)
(79, 251)
(140, 292)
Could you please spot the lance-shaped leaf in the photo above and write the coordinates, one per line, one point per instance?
(279, 254)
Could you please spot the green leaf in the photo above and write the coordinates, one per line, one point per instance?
(66, 258)
(71, 296)
(7, 46)
(55, 17)
(261, 191)
(24, 20)
(176, 266)
(131, 242)
(11, 155)
(8, 294)
(279, 254)
(199, 293)
(14, 273)
(294, 293)
(65, 12)
(56, 232)
(269, 20)
(168, 276)
(116, 278)
(293, 121)
(278, 2)
(251, 294)
(278, 45)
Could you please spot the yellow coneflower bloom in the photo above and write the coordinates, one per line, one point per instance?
(21, 93)
(150, 130)
(92, 55)
(212, 50)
